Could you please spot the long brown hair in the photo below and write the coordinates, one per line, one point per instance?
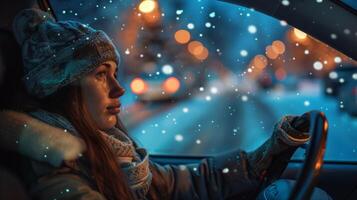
(109, 177)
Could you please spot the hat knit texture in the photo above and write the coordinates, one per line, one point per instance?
(56, 54)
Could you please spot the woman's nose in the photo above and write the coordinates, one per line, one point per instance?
(116, 90)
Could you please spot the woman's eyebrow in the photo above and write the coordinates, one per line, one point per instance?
(108, 66)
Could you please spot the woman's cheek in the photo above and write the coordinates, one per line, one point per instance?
(107, 122)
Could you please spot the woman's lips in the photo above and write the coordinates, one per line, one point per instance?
(113, 109)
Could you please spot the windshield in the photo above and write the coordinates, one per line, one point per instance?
(206, 77)
(351, 3)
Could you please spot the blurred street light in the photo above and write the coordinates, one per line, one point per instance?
(147, 6)
(171, 85)
(278, 47)
(138, 86)
(195, 47)
(270, 52)
(299, 34)
(182, 36)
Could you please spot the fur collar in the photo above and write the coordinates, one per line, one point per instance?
(37, 140)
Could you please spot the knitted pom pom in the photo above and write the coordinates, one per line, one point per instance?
(27, 21)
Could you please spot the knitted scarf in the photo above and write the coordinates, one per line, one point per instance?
(133, 161)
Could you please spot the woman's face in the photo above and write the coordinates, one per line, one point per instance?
(101, 92)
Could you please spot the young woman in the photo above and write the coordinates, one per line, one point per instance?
(72, 143)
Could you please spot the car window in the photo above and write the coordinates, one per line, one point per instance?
(206, 77)
(351, 3)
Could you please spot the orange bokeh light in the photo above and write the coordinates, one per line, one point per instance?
(195, 48)
(260, 61)
(138, 86)
(171, 85)
(203, 55)
(270, 52)
(182, 36)
(299, 34)
(278, 47)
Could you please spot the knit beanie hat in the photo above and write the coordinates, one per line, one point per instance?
(56, 54)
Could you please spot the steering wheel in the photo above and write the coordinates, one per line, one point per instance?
(314, 157)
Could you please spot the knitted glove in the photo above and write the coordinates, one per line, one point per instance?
(271, 158)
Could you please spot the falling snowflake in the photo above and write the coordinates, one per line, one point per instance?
(198, 141)
(283, 23)
(333, 75)
(244, 98)
(182, 167)
(178, 138)
(285, 2)
(252, 29)
(127, 52)
(306, 52)
(333, 36)
(208, 98)
(306, 103)
(354, 76)
(179, 12)
(167, 69)
(185, 110)
(214, 90)
(329, 90)
(337, 59)
(201, 89)
(190, 26)
(208, 24)
(225, 170)
(243, 53)
(318, 65)
(212, 14)
(347, 31)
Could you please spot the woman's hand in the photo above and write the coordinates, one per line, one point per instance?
(269, 160)
(293, 130)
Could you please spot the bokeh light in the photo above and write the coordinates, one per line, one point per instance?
(203, 55)
(195, 48)
(299, 34)
(171, 85)
(278, 47)
(138, 86)
(318, 65)
(182, 36)
(260, 61)
(270, 52)
(167, 69)
(147, 6)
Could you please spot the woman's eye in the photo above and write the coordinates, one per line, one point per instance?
(101, 75)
